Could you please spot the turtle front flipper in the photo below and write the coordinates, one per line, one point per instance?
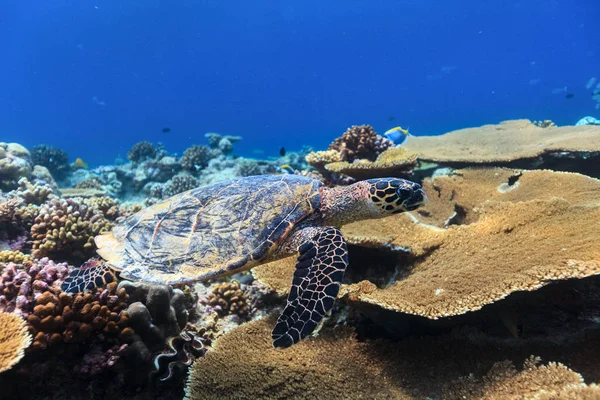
(92, 274)
(319, 272)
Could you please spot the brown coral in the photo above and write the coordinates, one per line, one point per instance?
(505, 142)
(395, 161)
(67, 226)
(360, 142)
(59, 318)
(228, 298)
(511, 247)
(336, 365)
(14, 339)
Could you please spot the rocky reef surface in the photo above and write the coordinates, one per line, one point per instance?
(490, 291)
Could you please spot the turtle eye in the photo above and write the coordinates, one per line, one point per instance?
(404, 192)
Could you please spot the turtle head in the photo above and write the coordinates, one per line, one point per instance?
(373, 198)
(395, 195)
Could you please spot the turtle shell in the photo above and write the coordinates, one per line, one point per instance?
(209, 231)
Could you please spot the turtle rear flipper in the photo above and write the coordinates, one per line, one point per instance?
(319, 272)
(92, 274)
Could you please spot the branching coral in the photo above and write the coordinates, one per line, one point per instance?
(14, 339)
(142, 151)
(9, 256)
(360, 142)
(195, 157)
(67, 227)
(228, 298)
(56, 160)
(33, 193)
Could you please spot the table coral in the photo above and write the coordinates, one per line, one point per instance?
(14, 339)
(504, 143)
(395, 161)
(67, 228)
(335, 364)
(360, 142)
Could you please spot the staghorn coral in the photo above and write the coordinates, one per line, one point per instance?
(195, 157)
(504, 143)
(228, 298)
(56, 160)
(142, 151)
(9, 256)
(360, 142)
(395, 161)
(14, 339)
(67, 227)
(178, 184)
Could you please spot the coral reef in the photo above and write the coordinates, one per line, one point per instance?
(505, 143)
(55, 160)
(395, 161)
(249, 167)
(141, 151)
(360, 142)
(228, 298)
(15, 163)
(196, 157)
(178, 184)
(335, 364)
(33, 193)
(14, 339)
(66, 229)
(13, 256)
(221, 144)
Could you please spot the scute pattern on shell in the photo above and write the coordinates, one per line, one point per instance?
(209, 231)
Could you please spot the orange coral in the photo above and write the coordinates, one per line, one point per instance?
(59, 318)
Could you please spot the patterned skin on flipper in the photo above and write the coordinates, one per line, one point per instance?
(394, 195)
(317, 279)
(92, 274)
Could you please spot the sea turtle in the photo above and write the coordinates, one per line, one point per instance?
(224, 228)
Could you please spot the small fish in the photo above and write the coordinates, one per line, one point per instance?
(282, 151)
(391, 118)
(569, 95)
(166, 130)
(286, 169)
(79, 163)
(397, 135)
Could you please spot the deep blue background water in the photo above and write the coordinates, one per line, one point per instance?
(94, 77)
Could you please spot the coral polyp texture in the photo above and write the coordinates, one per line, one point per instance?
(68, 227)
(56, 160)
(504, 143)
(14, 339)
(228, 298)
(335, 364)
(360, 142)
(196, 157)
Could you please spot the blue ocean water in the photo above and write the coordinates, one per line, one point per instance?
(94, 77)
